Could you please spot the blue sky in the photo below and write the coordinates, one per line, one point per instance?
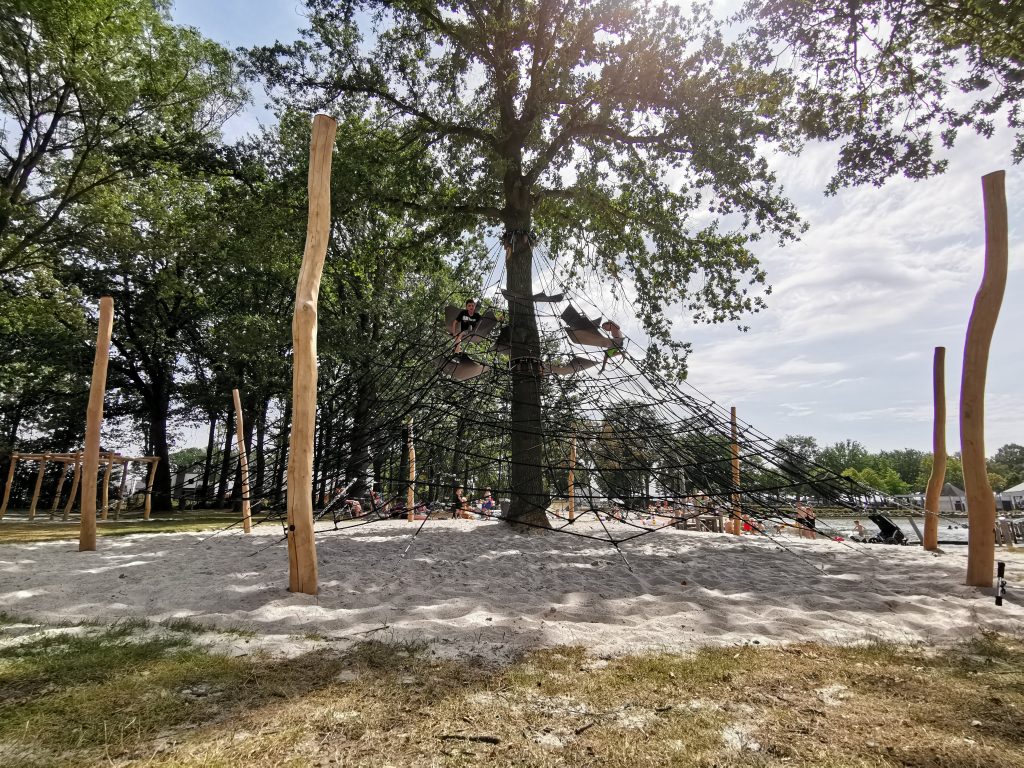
(844, 349)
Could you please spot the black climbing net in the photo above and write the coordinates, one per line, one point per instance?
(645, 451)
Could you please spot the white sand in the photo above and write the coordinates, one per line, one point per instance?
(478, 589)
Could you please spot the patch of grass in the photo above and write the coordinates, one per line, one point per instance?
(12, 532)
(78, 698)
(7, 619)
(186, 626)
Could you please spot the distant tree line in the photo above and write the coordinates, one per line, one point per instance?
(906, 470)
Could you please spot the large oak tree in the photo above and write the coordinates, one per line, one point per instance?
(629, 131)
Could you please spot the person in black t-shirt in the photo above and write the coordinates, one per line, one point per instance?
(465, 324)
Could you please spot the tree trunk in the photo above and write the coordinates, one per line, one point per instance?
(400, 482)
(160, 405)
(225, 463)
(282, 451)
(204, 492)
(261, 461)
(359, 447)
(529, 499)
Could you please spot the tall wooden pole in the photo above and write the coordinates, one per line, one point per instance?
(105, 491)
(302, 574)
(981, 508)
(938, 476)
(572, 479)
(7, 487)
(244, 461)
(76, 478)
(93, 425)
(39, 487)
(60, 487)
(737, 522)
(410, 494)
(148, 509)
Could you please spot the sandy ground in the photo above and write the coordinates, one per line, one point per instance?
(478, 589)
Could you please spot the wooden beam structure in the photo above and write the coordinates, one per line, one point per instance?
(105, 493)
(60, 485)
(148, 509)
(981, 508)
(244, 462)
(38, 487)
(8, 484)
(93, 428)
(301, 547)
(937, 479)
(76, 478)
(121, 501)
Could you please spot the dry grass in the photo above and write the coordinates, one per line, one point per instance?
(13, 531)
(143, 696)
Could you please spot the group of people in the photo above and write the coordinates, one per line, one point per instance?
(469, 318)
(463, 508)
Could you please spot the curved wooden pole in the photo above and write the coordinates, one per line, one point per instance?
(7, 486)
(938, 476)
(244, 461)
(981, 507)
(93, 425)
(76, 478)
(38, 488)
(737, 520)
(302, 572)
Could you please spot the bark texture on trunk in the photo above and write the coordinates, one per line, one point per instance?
(526, 471)
(159, 408)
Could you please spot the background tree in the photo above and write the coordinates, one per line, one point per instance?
(1008, 462)
(893, 80)
(92, 91)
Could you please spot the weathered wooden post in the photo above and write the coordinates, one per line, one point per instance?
(148, 509)
(301, 547)
(410, 494)
(93, 425)
(938, 476)
(108, 469)
(243, 461)
(76, 478)
(39, 486)
(737, 521)
(7, 486)
(572, 479)
(981, 508)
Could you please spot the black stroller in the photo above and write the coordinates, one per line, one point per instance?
(888, 532)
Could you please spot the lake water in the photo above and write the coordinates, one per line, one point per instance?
(952, 531)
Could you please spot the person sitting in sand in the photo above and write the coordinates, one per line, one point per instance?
(487, 502)
(460, 505)
(810, 521)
